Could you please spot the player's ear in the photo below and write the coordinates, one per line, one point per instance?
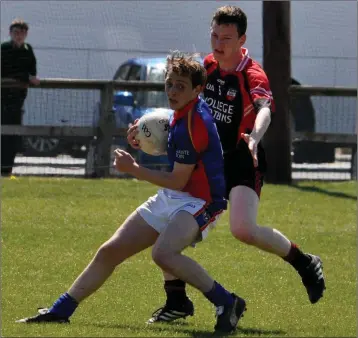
(198, 89)
(242, 39)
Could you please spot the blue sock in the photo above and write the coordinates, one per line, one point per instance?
(64, 306)
(219, 296)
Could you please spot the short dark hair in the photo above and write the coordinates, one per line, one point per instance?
(184, 64)
(231, 15)
(19, 23)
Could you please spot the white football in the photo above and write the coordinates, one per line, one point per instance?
(153, 131)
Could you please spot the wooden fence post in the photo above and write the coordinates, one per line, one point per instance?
(105, 132)
(354, 163)
(277, 64)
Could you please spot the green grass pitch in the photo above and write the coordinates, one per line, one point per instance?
(51, 228)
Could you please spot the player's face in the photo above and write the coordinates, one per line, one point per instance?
(179, 90)
(18, 35)
(225, 42)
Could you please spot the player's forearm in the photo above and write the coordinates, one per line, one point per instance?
(33, 68)
(262, 122)
(33, 64)
(160, 178)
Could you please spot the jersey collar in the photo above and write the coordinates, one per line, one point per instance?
(245, 59)
(178, 114)
(14, 46)
(241, 66)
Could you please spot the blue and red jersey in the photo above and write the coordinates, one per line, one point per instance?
(193, 139)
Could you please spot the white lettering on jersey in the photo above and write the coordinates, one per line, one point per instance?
(210, 86)
(219, 116)
(181, 154)
(221, 111)
(220, 106)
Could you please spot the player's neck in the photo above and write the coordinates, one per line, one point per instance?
(179, 113)
(188, 105)
(231, 65)
(17, 45)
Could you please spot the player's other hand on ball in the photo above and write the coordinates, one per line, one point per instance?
(123, 161)
(132, 132)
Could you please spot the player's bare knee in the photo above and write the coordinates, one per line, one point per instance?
(162, 257)
(243, 231)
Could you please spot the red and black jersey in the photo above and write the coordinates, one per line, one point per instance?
(236, 97)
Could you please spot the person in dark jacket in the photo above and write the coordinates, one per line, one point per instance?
(18, 62)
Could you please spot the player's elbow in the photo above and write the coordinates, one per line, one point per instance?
(178, 183)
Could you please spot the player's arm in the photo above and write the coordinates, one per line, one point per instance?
(187, 150)
(263, 102)
(262, 122)
(33, 67)
(33, 63)
(175, 180)
(186, 158)
(5, 60)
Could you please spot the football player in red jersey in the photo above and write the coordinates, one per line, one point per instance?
(238, 92)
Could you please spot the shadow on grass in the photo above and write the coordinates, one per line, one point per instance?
(182, 328)
(258, 332)
(324, 191)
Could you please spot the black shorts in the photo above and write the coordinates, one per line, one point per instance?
(240, 170)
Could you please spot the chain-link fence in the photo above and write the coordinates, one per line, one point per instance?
(71, 127)
(323, 126)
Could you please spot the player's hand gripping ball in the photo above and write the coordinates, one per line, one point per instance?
(153, 129)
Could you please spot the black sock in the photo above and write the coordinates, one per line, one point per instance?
(175, 290)
(298, 259)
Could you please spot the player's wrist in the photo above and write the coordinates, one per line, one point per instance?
(255, 137)
(136, 170)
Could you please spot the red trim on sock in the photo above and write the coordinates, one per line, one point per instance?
(292, 253)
